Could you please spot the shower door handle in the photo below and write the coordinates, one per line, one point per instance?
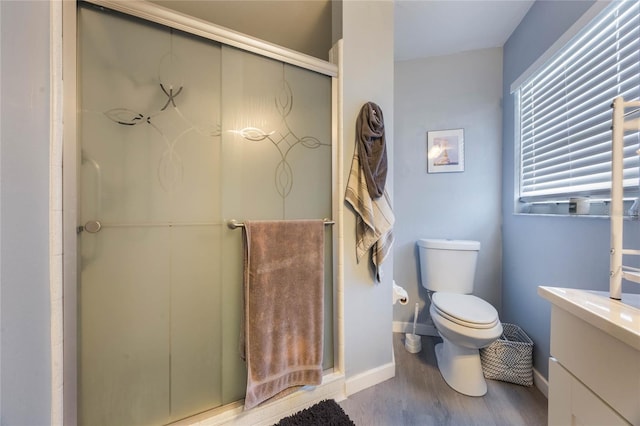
(92, 226)
(95, 167)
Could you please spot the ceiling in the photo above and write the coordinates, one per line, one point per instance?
(426, 28)
(423, 28)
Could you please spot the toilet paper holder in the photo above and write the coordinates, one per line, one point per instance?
(400, 295)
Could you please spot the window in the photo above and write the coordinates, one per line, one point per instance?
(564, 111)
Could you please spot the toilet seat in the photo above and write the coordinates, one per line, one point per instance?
(465, 310)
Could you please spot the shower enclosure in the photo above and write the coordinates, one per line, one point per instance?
(176, 135)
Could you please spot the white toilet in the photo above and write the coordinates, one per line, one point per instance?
(465, 322)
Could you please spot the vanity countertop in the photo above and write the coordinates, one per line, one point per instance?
(620, 319)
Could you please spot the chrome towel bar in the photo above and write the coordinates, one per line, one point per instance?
(233, 224)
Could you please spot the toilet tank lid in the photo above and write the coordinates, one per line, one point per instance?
(450, 244)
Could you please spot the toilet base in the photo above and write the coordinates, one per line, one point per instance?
(461, 369)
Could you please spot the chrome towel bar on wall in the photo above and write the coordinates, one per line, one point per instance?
(233, 224)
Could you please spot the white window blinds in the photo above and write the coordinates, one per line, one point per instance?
(565, 114)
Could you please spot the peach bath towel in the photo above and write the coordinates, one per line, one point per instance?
(283, 307)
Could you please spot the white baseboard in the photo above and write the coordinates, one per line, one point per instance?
(370, 378)
(541, 383)
(421, 329)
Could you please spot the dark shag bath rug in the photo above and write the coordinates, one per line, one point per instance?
(324, 413)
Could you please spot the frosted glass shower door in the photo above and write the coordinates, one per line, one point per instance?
(177, 135)
(150, 293)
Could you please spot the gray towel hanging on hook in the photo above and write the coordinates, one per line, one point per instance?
(372, 148)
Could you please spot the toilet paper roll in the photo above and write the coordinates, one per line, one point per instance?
(399, 295)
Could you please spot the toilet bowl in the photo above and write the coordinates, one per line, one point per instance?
(465, 322)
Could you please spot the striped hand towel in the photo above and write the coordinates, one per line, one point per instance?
(374, 218)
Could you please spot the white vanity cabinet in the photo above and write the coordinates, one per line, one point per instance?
(594, 369)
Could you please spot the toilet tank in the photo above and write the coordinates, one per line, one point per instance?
(448, 265)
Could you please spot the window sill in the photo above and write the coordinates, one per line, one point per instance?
(596, 208)
(589, 216)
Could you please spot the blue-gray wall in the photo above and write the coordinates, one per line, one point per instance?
(438, 93)
(558, 251)
(367, 33)
(25, 372)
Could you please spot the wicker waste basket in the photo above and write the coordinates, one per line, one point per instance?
(509, 359)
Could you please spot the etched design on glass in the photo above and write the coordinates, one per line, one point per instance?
(170, 168)
(171, 96)
(284, 139)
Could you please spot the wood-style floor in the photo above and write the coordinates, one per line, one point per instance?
(418, 395)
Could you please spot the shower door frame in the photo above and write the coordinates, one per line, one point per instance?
(333, 384)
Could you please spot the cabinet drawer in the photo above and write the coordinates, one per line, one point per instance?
(572, 403)
(607, 366)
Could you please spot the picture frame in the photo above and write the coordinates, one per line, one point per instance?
(445, 151)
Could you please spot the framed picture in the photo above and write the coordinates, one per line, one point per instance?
(445, 151)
